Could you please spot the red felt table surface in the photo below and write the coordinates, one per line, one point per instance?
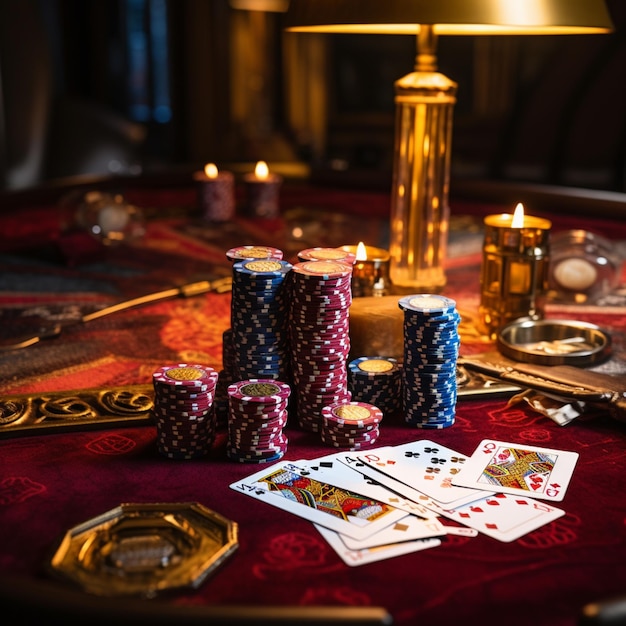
(54, 481)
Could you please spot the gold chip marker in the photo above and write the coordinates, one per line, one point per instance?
(353, 413)
(261, 265)
(254, 253)
(184, 373)
(376, 365)
(260, 390)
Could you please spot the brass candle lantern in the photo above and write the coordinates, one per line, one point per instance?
(370, 273)
(514, 273)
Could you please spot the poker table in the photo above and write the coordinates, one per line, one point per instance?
(66, 468)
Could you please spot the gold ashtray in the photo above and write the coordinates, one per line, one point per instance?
(554, 342)
(144, 549)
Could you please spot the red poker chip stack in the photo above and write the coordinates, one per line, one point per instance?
(353, 425)
(258, 412)
(319, 337)
(183, 409)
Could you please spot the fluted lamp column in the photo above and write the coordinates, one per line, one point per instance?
(425, 99)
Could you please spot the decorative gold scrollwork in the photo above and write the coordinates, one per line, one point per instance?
(76, 409)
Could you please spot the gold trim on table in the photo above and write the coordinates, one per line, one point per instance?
(79, 409)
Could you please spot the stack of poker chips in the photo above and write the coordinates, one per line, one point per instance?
(319, 336)
(431, 348)
(376, 380)
(183, 409)
(353, 425)
(259, 316)
(258, 412)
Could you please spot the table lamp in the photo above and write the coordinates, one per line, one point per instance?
(424, 101)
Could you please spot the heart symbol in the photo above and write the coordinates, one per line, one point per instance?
(493, 503)
(476, 509)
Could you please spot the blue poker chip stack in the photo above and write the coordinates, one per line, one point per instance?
(321, 295)
(376, 380)
(259, 317)
(431, 348)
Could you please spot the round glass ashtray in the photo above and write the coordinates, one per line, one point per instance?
(554, 342)
(144, 549)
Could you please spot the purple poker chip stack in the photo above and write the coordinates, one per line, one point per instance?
(321, 295)
(183, 409)
(257, 415)
(353, 425)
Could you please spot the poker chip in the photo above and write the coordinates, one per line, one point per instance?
(431, 346)
(253, 252)
(327, 254)
(183, 409)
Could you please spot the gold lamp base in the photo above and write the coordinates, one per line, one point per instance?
(420, 211)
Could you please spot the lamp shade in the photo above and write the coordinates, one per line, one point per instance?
(450, 17)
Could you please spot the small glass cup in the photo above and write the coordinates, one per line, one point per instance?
(584, 267)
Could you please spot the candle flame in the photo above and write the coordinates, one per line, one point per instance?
(210, 170)
(518, 216)
(261, 170)
(361, 252)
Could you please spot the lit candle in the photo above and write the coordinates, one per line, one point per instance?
(263, 190)
(514, 269)
(216, 193)
(370, 274)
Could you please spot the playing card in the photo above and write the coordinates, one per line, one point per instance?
(283, 486)
(370, 555)
(331, 469)
(505, 517)
(396, 486)
(409, 528)
(519, 469)
(426, 466)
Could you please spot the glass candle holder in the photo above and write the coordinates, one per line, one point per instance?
(514, 272)
(584, 267)
(370, 276)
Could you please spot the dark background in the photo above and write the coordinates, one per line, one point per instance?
(129, 87)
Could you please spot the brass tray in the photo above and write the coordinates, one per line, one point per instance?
(145, 549)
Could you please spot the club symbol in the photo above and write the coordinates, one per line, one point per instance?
(437, 461)
(431, 450)
(457, 459)
(433, 470)
(411, 455)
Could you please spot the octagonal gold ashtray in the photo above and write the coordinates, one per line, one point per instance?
(144, 549)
